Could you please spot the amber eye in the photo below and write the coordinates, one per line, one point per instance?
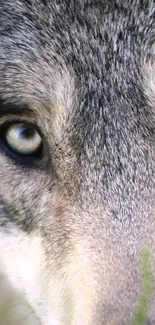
(22, 139)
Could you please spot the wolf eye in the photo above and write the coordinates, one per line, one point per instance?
(22, 139)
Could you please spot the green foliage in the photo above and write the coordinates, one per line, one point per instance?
(141, 311)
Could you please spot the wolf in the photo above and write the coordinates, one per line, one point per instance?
(77, 161)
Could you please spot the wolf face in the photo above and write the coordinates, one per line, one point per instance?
(77, 160)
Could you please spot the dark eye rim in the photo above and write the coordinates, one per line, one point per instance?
(37, 159)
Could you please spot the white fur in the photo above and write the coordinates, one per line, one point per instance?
(22, 300)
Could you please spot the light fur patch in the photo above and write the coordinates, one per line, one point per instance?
(21, 266)
(59, 107)
(66, 297)
(74, 289)
(149, 82)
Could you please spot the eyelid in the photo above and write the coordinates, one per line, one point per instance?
(10, 108)
(11, 117)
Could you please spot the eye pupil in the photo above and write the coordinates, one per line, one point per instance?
(27, 133)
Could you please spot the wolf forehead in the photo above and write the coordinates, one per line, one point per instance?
(89, 62)
(99, 41)
(91, 59)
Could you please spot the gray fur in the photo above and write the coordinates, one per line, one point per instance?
(83, 72)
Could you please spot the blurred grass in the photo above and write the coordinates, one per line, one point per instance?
(142, 307)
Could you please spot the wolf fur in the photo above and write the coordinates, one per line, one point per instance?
(73, 223)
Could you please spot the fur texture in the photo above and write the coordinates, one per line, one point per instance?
(72, 224)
